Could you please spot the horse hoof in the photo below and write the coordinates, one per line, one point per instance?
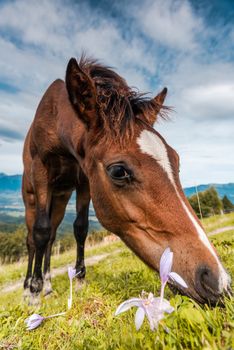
(47, 285)
(47, 291)
(80, 271)
(26, 295)
(80, 284)
(36, 285)
(34, 300)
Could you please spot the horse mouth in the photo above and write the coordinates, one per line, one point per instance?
(216, 299)
(195, 296)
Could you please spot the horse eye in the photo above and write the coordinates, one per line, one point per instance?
(118, 172)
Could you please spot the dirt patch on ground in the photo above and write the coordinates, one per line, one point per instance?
(59, 271)
(220, 230)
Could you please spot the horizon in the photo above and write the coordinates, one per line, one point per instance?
(186, 45)
(195, 185)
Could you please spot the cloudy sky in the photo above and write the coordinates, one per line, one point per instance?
(185, 45)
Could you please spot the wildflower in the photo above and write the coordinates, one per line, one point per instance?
(71, 274)
(35, 320)
(150, 307)
(165, 271)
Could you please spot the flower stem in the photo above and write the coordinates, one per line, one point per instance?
(70, 298)
(77, 273)
(162, 294)
(55, 315)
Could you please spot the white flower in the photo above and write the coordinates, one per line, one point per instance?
(35, 320)
(150, 307)
(71, 274)
(165, 269)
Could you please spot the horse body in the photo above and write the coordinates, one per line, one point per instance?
(94, 134)
(51, 173)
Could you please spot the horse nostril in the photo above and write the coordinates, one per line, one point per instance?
(207, 284)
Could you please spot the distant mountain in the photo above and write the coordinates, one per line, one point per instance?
(12, 208)
(10, 182)
(222, 189)
(13, 183)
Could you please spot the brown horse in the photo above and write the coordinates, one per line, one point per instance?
(94, 134)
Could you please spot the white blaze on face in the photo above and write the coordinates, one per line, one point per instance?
(151, 144)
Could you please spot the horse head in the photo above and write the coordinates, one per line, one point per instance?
(134, 178)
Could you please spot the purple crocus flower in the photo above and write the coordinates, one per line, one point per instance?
(35, 320)
(165, 271)
(71, 274)
(151, 307)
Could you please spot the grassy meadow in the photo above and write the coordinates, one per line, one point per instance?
(91, 324)
(218, 221)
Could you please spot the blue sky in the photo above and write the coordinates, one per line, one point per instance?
(185, 45)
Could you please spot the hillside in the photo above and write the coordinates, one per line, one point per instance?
(222, 189)
(12, 208)
(114, 279)
(9, 183)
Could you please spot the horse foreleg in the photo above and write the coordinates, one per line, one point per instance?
(29, 201)
(57, 211)
(42, 225)
(31, 252)
(81, 226)
(41, 234)
(47, 276)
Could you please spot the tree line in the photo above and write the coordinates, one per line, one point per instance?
(13, 244)
(208, 203)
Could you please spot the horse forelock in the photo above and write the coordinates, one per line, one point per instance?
(120, 107)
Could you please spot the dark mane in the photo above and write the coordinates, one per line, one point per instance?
(120, 105)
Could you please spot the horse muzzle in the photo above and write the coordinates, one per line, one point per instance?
(210, 287)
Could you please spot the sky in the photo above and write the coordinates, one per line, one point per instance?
(185, 45)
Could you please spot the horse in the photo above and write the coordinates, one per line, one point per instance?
(94, 134)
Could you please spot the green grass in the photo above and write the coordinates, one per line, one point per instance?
(218, 221)
(12, 272)
(227, 236)
(91, 324)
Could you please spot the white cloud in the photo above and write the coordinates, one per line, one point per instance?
(171, 23)
(41, 37)
(52, 32)
(11, 157)
(17, 112)
(161, 43)
(27, 69)
(203, 99)
(210, 101)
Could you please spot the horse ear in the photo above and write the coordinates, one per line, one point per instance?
(157, 103)
(81, 91)
(159, 99)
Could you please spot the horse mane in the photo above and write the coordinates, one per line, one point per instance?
(120, 106)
